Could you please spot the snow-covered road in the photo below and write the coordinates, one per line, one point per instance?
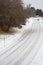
(24, 47)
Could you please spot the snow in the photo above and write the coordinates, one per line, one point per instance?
(25, 46)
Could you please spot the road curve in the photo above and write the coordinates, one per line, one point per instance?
(24, 47)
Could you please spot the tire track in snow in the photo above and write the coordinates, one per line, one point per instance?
(10, 55)
(24, 48)
(19, 61)
(21, 53)
(17, 43)
(25, 55)
(31, 55)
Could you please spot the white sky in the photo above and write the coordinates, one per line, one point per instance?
(34, 3)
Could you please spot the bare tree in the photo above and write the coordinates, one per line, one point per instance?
(12, 14)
